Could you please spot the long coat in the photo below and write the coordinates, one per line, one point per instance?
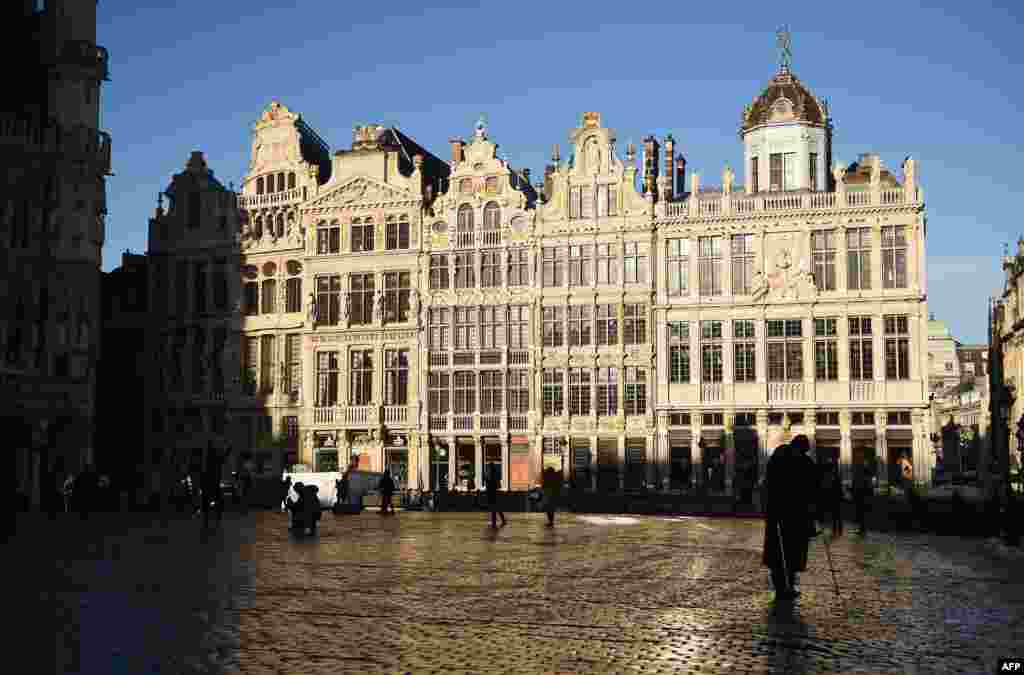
(788, 490)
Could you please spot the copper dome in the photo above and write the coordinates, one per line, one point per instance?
(785, 99)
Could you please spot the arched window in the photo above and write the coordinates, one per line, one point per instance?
(280, 182)
(257, 227)
(291, 180)
(280, 224)
(465, 226)
(492, 224)
(259, 185)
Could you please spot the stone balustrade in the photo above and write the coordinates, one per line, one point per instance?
(718, 205)
(271, 199)
(787, 392)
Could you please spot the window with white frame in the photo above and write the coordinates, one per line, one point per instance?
(518, 389)
(465, 392)
(861, 348)
(519, 326)
(439, 271)
(553, 326)
(490, 391)
(709, 266)
(293, 376)
(361, 288)
(858, 258)
(826, 354)
(580, 258)
(397, 235)
(607, 265)
(328, 237)
(897, 347)
(607, 325)
(439, 325)
(465, 327)
(362, 235)
(396, 296)
(894, 257)
(607, 392)
(490, 268)
(742, 263)
(465, 227)
(579, 391)
(396, 377)
(580, 321)
(492, 327)
(711, 362)
(678, 260)
(327, 374)
(635, 263)
(744, 351)
(785, 350)
(823, 254)
(634, 324)
(465, 274)
(518, 267)
(361, 377)
(551, 391)
(438, 393)
(553, 266)
(636, 391)
(678, 352)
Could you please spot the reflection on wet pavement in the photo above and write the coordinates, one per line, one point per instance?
(444, 593)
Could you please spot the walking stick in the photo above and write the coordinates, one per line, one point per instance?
(831, 567)
(782, 554)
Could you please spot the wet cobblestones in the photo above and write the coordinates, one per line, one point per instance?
(442, 593)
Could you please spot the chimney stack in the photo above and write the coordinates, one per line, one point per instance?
(681, 173)
(670, 146)
(650, 164)
(457, 154)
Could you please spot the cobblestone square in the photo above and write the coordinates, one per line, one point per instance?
(443, 593)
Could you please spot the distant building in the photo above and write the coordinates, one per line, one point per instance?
(973, 360)
(943, 364)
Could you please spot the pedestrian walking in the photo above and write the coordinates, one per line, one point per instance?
(831, 496)
(492, 480)
(286, 487)
(212, 498)
(68, 491)
(387, 489)
(551, 484)
(788, 509)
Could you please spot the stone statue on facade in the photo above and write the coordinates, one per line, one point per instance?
(314, 310)
(378, 306)
(345, 308)
(839, 174)
(909, 169)
(414, 306)
(758, 286)
(727, 179)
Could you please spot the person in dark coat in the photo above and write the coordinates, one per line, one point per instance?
(830, 499)
(286, 487)
(786, 526)
(492, 479)
(213, 468)
(387, 488)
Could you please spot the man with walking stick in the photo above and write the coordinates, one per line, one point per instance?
(787, 525)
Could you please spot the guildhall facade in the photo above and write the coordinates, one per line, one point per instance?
(627, 325)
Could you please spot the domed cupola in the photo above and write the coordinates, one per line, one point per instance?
(787, 133)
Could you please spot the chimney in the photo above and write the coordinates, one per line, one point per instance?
(650, 164)
(457, 154)
(681, 173)
(670, 145)
(555, 154)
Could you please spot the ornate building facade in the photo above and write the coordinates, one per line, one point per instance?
(625, 325)
(53, 171)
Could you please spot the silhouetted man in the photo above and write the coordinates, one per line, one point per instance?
(492, 479)
(786, 526)
(387, 488)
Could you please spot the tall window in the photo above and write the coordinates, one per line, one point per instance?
(259, 185)
(361, 287)
(586, 201)
(439, 271)
(574, 202)
(607, 200)
(291, 180)
(812, 171)
(678, 257)
(328, 237)
(293, 295)
(742, 263)
(268, 290)
(518, 391)
(636, 391)
(635, 263)
(579, 265)
(439, 327)
(396, 377)
(397, 233)
(492, 327)
(251, 298)
(823, 253)
(327, 379)
(250, 367)
(711, 363)
(775, 171)
(553, 266)
(678, 352)
(783, 171)
(465, 227)
(361, 377)
(490, 268)
(492, 224)
(579, 391)
(553, 326)
(607, 392)
(551, 392)
(826, 356)
(709, 266)
(744, 350)
(785, 350)
(465, 392)
(362, 235)
(518, 267)
(439, 393)
(861, 351)
(894, 257)
(755, 185)
(519, 326)
(579, 325)
(396, 296)
(280, 182)
(199, 287)
(465, 327)
(464, 272)
(897, 347)
(293, 349)
(607, 325)
(607, 265)
(328, 300)
(267, 362)
(634, 325)
(858, 256)
(490, 391)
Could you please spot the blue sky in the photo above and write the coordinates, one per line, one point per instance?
(939, 81)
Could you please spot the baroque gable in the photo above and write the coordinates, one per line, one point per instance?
(362, 192)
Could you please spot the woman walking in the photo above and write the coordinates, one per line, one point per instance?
(551, 484)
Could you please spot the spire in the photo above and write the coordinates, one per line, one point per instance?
(480, 130)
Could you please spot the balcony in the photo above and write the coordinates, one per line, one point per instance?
(788, 392)
(357, 415)
(517, 422)
(326, 415)
(711, 392)
(717, 204)
(862, 390)
(476, 239)
(271, 199)
(490, 422)
(462, 422)
(396, 414)
(89, 55)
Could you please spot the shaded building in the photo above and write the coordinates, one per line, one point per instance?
(53, 171)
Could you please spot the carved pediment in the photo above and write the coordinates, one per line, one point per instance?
(361, 191)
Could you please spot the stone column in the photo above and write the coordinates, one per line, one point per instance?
(478, 462)
(506, 459)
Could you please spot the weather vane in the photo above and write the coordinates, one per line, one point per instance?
(784, 41)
